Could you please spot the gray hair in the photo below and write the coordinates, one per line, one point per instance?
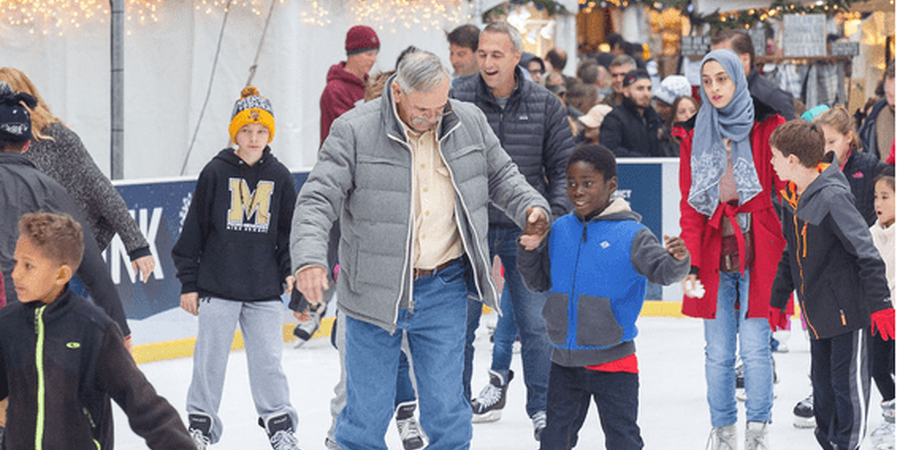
(623, 60)
(421, 71)
(504, 27)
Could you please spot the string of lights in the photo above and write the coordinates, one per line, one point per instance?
(62, 16)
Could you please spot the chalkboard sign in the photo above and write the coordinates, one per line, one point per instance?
(844, 48)
(695, 45)
(804, 35)
(759, 41)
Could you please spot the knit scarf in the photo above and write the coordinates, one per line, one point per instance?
(709, 159)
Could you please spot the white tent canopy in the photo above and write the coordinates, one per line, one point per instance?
(167, 73)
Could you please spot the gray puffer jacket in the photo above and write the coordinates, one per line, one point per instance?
(363, 177)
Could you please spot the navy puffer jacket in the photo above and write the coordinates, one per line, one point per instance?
(534, 131)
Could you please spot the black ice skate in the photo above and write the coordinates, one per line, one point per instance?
(281, 433)
(199, 426)
(488, 407)
(411, 434)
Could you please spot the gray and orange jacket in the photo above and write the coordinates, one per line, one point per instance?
(60, 363)
(829, 259)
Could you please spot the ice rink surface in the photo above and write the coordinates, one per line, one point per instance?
(673, 412)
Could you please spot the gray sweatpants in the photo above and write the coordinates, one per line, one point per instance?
(261, 328)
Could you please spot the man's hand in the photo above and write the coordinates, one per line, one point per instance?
(144, 266)
(311, 282)
(676, 247)
(302, 316)
(536, 228)
(190, 302)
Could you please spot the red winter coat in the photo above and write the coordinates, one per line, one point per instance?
(340, 95)
(703, 235)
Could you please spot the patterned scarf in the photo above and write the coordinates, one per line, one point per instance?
(709, 159)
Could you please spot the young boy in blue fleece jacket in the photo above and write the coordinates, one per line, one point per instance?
(596, 263)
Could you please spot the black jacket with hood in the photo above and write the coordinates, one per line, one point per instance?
(534, 131)
(829, 258)
(63, 397)
(234, 243)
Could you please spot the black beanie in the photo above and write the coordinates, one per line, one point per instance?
(15, 120)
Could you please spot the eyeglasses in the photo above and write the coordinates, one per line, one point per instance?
(433, 113)
(536, 72)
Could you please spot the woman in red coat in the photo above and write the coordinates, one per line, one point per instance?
(734, 236)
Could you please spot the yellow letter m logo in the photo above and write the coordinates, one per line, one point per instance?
(247, 205)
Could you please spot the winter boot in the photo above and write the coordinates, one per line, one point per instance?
(411, 433)
(488, 407)
(756, 436)
(722, 438)
(199, 426)
(804, 414)
(281, 433)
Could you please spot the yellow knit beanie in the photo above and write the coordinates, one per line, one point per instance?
(251, 108)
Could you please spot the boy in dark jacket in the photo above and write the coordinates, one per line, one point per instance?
(62, 358)
(596, 263)
(232, 258)
(832, 264)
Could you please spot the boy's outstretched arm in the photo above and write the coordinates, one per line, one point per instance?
(149, 415)
(659, 264)
(534, 266)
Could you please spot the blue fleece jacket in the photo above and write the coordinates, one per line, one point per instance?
(597, 273)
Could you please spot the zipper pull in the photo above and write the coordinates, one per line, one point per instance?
(584, 232)
(843, 318)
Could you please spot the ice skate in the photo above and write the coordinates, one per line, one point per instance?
(199, 426)
(539, 419)
(488, 407)
(304, 331)
(739, 392)
(411, 433)
(804, 416)
(757, 436)
(281, 433)
(722, 438)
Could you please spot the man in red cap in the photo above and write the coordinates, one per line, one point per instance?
(347, 79)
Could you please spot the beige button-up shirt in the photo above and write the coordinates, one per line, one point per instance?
(437, 239)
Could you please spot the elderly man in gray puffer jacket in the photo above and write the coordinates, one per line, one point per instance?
(410, 176)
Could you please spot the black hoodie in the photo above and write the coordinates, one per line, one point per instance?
(234, 241)
(829, 259)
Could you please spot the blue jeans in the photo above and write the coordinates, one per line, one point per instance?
(436, 334)
(721, 341)
(525, 309)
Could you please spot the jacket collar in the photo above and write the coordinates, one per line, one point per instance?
(484, 92)
(15, 159)
(391, 122)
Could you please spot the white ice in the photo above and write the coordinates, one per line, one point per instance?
(673, 409)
